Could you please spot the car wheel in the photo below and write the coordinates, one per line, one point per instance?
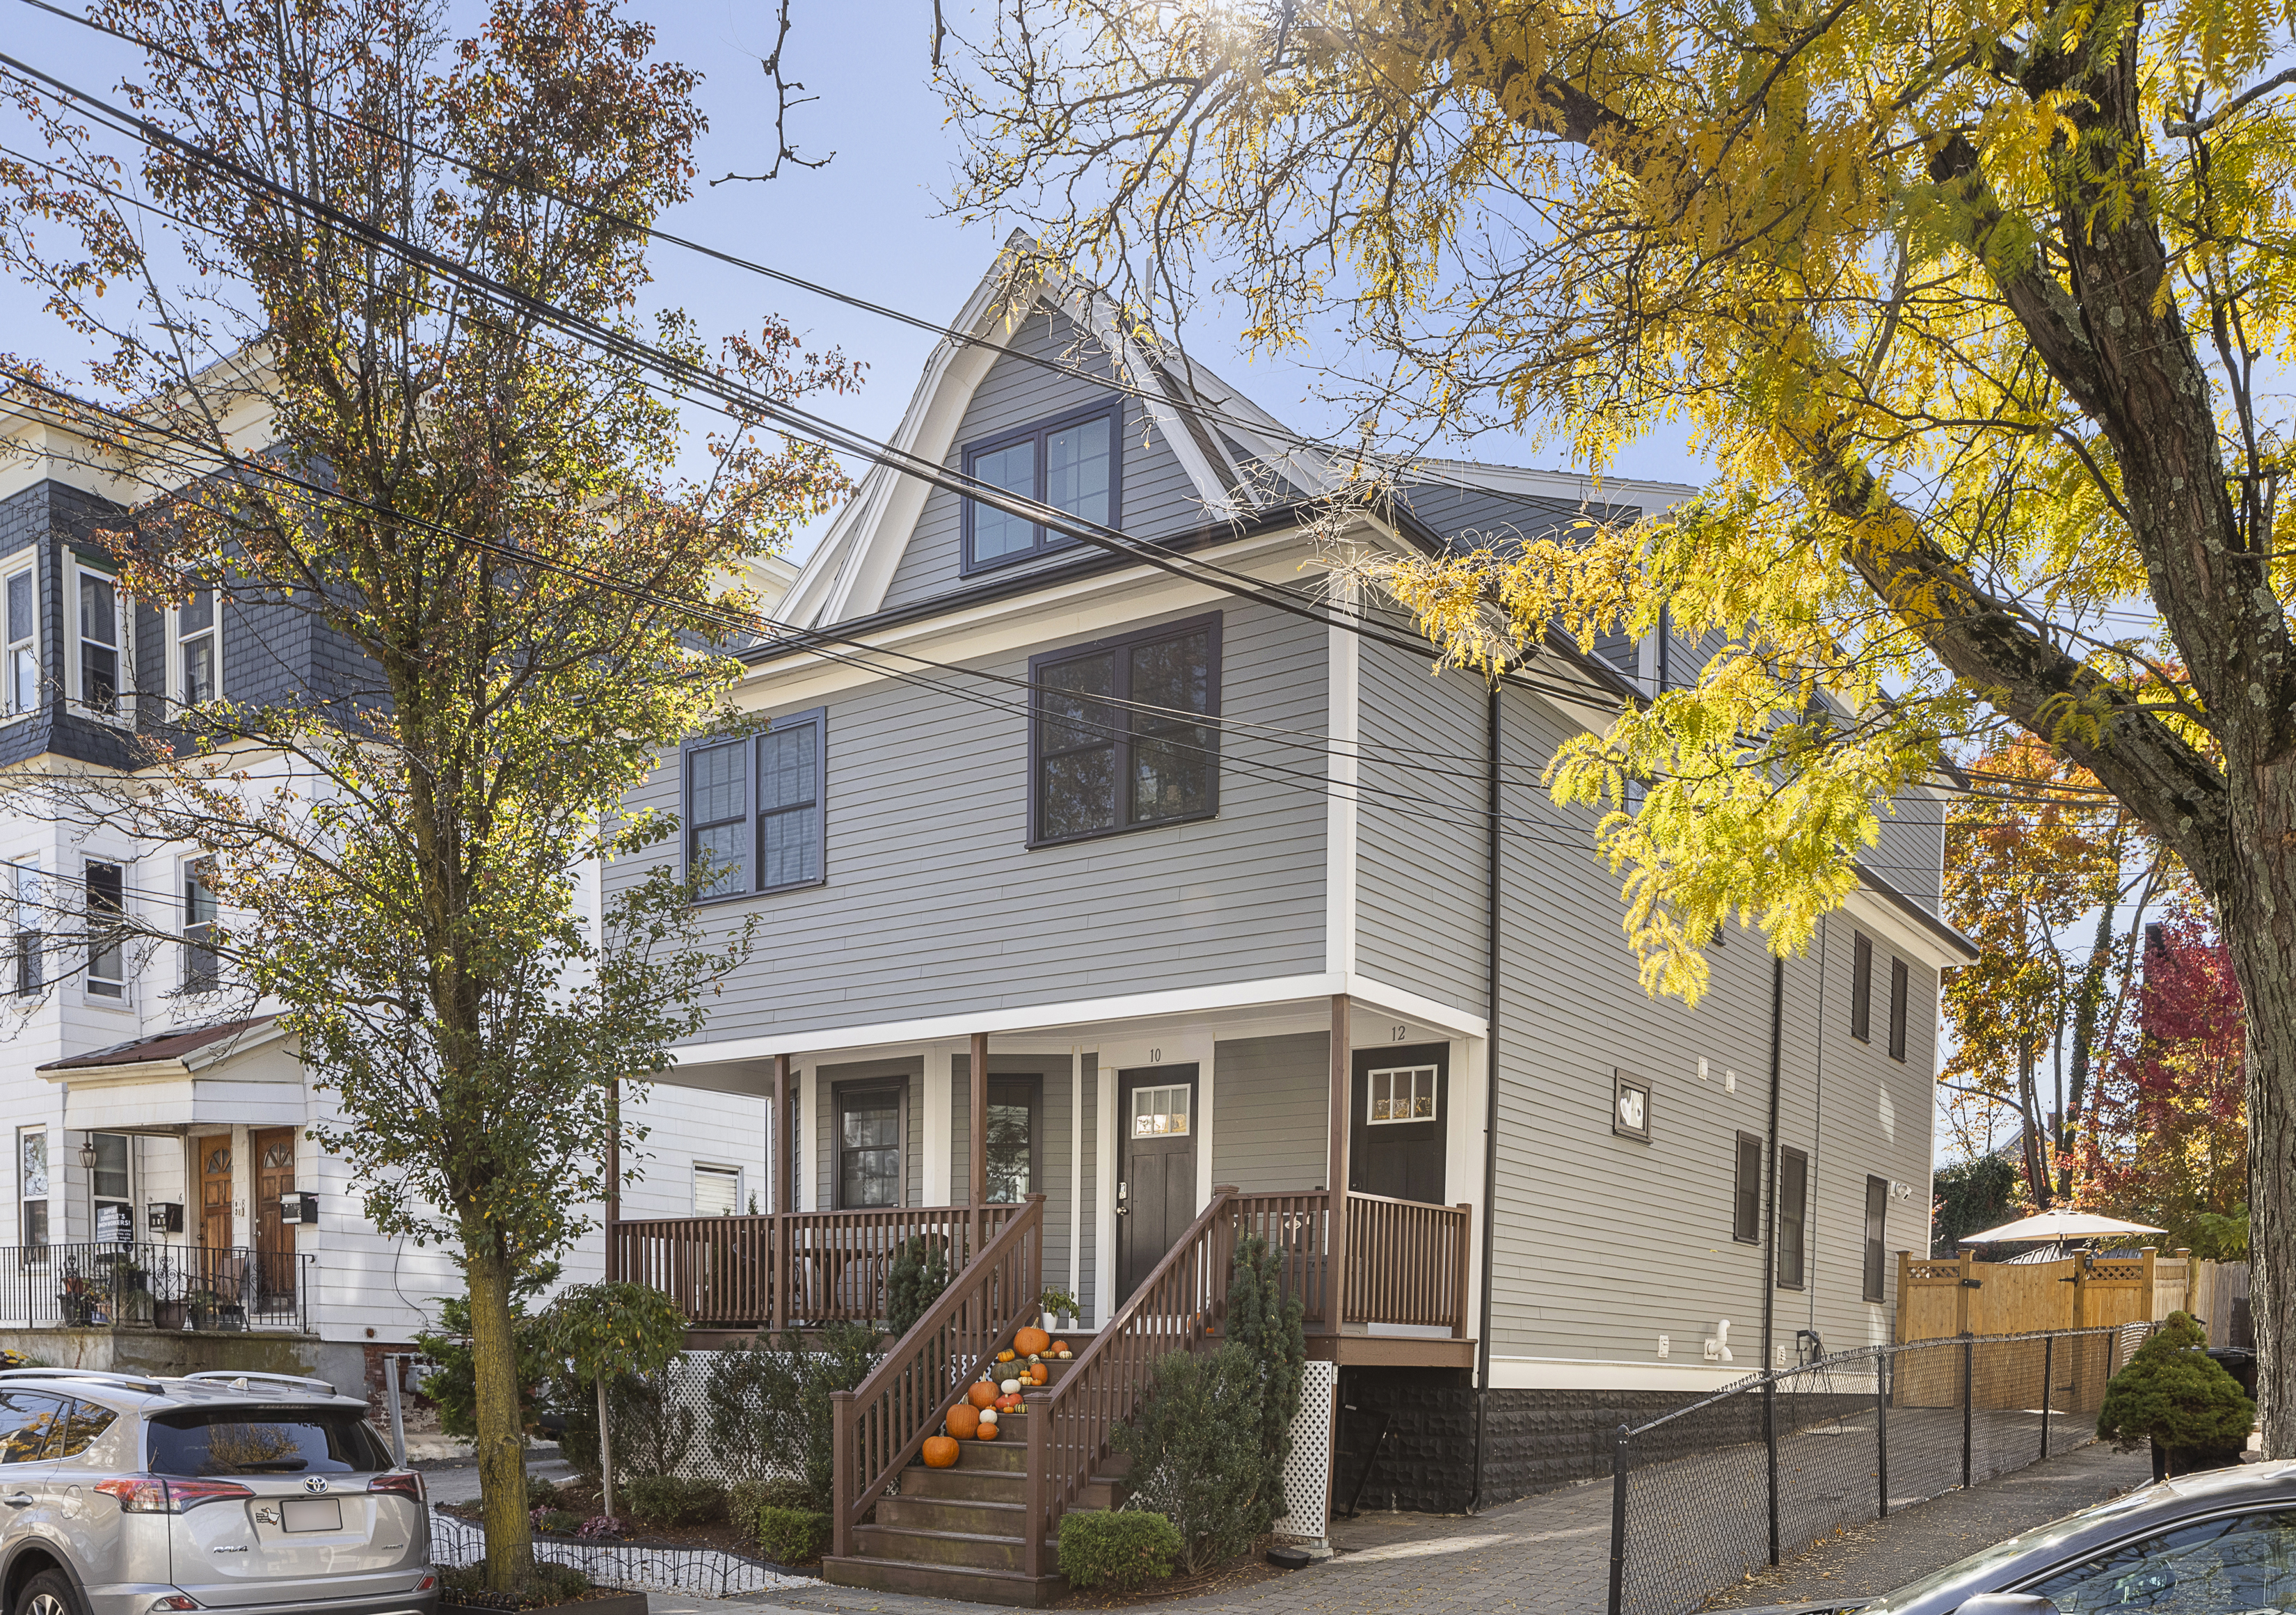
(49, 1592)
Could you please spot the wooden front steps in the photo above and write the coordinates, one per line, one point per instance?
(955, 1533)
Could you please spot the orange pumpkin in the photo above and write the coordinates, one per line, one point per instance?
(987, 1432)
(963, 1419)
(1032, 1341)
(940, 1452)
(982, 1394)
(1059, 1348)
(1036, 1372)
(1004, 1357)
(1006, 1404)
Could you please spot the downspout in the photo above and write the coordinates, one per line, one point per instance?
(1490, 1094)
(1770, 1217)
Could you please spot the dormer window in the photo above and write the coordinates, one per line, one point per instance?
(1072, 462)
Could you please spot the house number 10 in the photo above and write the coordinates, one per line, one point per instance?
(1155, 1055)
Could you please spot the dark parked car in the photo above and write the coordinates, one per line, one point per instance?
(2218, 1543)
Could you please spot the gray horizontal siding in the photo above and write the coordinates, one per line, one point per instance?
(934, 902)
(1423, 853)
(1910, 854)
(1271, 1101)
(1159, 499)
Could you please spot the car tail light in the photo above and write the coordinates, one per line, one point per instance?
(173, 1601)
(168, 1495)
(427, 1583)
(405, 1482)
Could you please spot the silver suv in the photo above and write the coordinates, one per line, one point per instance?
(122, 1495)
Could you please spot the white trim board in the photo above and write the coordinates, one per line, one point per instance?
(1604, 1373)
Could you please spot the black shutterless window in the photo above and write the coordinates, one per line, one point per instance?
(1746, 1201)
(1793, 1205)
(1877, 1236)
(754, 809)
(869, 1145)
(1861, 988)
(1073, 462)
(1118, 742)
(1898, 987)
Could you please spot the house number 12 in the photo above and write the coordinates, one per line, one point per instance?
(1397, 1034)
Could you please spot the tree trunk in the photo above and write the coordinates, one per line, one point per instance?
(501, 1439)
(605, 1451)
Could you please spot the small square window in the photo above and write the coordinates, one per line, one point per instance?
(1073, 462)
(717, 1189)
(1159, 1111)
(1402, 1094)
(1630, 1106)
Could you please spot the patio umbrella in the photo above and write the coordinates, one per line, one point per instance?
(2059, 1224)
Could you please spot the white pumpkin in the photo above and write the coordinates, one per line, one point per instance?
(988, 1417)
(1010, 1387)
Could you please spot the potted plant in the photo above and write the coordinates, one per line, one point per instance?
(204, 1305)
(2172, 1394)
(170, 1314)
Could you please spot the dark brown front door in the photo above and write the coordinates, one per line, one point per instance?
(214, 1190)
(1395, 1147)
(1156, 1167)
(275, 1176)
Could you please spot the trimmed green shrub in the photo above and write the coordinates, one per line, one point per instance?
(1120, 1547)
(1209, 1443)
(790, 1535)
(2173, 1395)
(669, 1500)
(915, 1280)
(746, 1498)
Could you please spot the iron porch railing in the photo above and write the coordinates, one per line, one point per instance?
(111, 1285)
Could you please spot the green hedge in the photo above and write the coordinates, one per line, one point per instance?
(1122, 1547)
(790, 1535)
(667, 1500)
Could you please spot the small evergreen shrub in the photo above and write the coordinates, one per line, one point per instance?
(1122, 1548)
(914, 1282)
(668, 1500)
(791, 1535)
(2172, 1394)
(540, 1493)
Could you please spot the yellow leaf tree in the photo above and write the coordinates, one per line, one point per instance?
(1974, 304)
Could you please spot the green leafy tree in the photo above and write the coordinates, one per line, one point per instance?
(608, 1330)
(2172, 1394)
(522, 601)
(1969, 1197)
(1978, 310)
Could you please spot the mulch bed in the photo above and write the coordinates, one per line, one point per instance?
(1244, 1570)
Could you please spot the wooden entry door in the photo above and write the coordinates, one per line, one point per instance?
(1401, 1105)
(274, 1236)
(214, 1190)
(1156, 1167)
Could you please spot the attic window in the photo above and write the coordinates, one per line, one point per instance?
(1072, 462)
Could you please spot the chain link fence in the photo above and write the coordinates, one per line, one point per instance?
(1759, 1471)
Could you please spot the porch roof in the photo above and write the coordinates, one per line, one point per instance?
(173, 1047)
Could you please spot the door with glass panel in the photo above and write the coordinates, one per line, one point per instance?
(1156, 1167)
(1395, 1146)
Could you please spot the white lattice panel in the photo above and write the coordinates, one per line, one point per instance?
(1307, 1473)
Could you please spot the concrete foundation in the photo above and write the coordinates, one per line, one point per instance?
(181, 1351)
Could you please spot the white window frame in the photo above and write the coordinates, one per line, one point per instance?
(22, 896)
(88, 980)
(717, 1168)
(29, 566)
(123, 626)
(95, 1203)
(185, 870)
(177, 693)
(46, 1197)
(1416, 1071)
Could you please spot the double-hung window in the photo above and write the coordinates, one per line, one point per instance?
(198, 666)
(23, 621)
(871, 1120)
(32, 1185)
(201, 973)
(1900, 991)
(754, 809)
(1746, 1193)
(1793, 1213)
(109, 1189)
(1861, 986)
(26, 932)
(1120, 740)
(1877, 1238)
(1013, 1105)
(106, 912)
(99, 642)
(1073, 462)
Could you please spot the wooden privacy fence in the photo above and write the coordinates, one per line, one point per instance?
(1939, 1299)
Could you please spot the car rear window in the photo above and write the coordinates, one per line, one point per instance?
(263, 1441)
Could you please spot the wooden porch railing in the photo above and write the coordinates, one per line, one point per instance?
(796, 1270)
(883, 1423)
(1407, 1263)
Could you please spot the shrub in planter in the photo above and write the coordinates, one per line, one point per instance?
(1122, 1548)
(790, 1535)
(2172, 1394)
(668, 1500)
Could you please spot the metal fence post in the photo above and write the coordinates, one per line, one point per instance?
(2049, 1378)
(1770, 1439)
(1882, 1361)
(1619, 1521)
(1968, 1405)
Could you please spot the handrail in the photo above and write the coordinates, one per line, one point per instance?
(882, 1424)
(1070, 1427)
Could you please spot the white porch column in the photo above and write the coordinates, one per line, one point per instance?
(940, 1152)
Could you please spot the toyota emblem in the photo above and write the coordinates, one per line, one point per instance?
(315, 1483)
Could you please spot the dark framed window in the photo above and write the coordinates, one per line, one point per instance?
(106, 908)
(99, 643)
(1861, 988)
(1793, 1208)
(1116, 744)
(201, 974)
(872, 1125)
(1016, 1108)
(1746, 1196)
(1877, 1238)
(1073, 462)
(755, 809)
(1899, 984)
